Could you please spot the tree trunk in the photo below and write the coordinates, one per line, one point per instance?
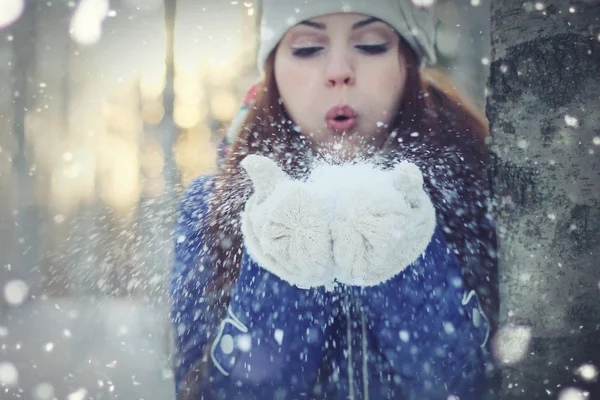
(25, 242)
(544, 113)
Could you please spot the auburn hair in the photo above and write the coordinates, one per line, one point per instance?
(436, 128)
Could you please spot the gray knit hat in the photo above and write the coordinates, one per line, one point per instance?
(414, 23)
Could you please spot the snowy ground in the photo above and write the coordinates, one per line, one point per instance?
(77, 349)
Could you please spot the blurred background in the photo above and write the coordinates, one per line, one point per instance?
(108, 109)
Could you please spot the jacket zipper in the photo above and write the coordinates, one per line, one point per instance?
(365, 359)
(349, 345)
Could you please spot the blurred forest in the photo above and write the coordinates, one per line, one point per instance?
(107, 110)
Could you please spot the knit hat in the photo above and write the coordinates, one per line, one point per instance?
(415, 24)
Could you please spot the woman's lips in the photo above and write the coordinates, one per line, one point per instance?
(341, 118)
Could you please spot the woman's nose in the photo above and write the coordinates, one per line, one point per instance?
(340, 71)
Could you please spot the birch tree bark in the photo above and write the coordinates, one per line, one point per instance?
(544, 112)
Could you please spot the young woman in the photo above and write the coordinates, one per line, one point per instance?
(344, 250)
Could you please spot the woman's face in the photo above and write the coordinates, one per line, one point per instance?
(328, 63)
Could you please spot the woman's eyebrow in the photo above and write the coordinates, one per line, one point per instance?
(365, 22)
(357, 25)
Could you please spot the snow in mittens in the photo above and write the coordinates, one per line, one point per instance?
(353, 223)
(381, 221)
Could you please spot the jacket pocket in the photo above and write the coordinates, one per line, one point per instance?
(225, 351)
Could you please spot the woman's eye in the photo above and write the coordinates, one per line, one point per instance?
(373, 48)
(305, 51)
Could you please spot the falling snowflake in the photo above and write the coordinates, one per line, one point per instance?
(588, 372)
(523, 144)
(572, 394)
(278, 336)
(78, 395)
(86, 23)
(244, 343)
(423, 3)
(43, 391)
(404, 336)
(9, 376)
(11, 11)
(16, 291)
(511, 343)
(571, 121)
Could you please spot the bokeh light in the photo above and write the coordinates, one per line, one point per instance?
(11, 11)
(120, 177)
(16, 292)
(511, 343)
(223, 105)
(86, 24)
(9, 375)
(43, 391)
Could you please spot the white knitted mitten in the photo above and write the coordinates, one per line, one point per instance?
(286, 227)
(382, 222)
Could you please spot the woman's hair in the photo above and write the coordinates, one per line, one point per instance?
(435, 128)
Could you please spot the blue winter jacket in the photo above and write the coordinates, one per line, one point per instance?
(420, 335)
